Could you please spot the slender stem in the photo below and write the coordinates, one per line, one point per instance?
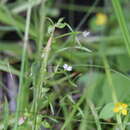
(42, 24)
(93, 110)
(21, 86)
(41, 79)
(122, 23)
(114, 97)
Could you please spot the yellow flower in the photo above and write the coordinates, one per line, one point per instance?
(101, 19)
(121, 108)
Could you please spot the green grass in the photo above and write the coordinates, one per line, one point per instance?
(50, 96)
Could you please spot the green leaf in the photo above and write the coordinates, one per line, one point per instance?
(107, 111)
(60, 25)
(51, 29)
(46, 124)
(60, 20)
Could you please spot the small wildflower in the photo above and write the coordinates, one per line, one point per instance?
(67, 67)
(101, 18)
(121, 108)
(86, 33)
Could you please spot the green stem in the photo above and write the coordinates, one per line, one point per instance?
(122, 23)
(93, 109)
(21, 86)
(41, 27)
(41, 79)
(114, 97)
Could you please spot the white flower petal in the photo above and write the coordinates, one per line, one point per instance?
(69, 68)
(86, 33)
(65, 66)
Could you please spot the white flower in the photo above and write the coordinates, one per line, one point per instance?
(67, 67)
(86, 33)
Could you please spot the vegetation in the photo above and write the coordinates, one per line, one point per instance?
(64, 80)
